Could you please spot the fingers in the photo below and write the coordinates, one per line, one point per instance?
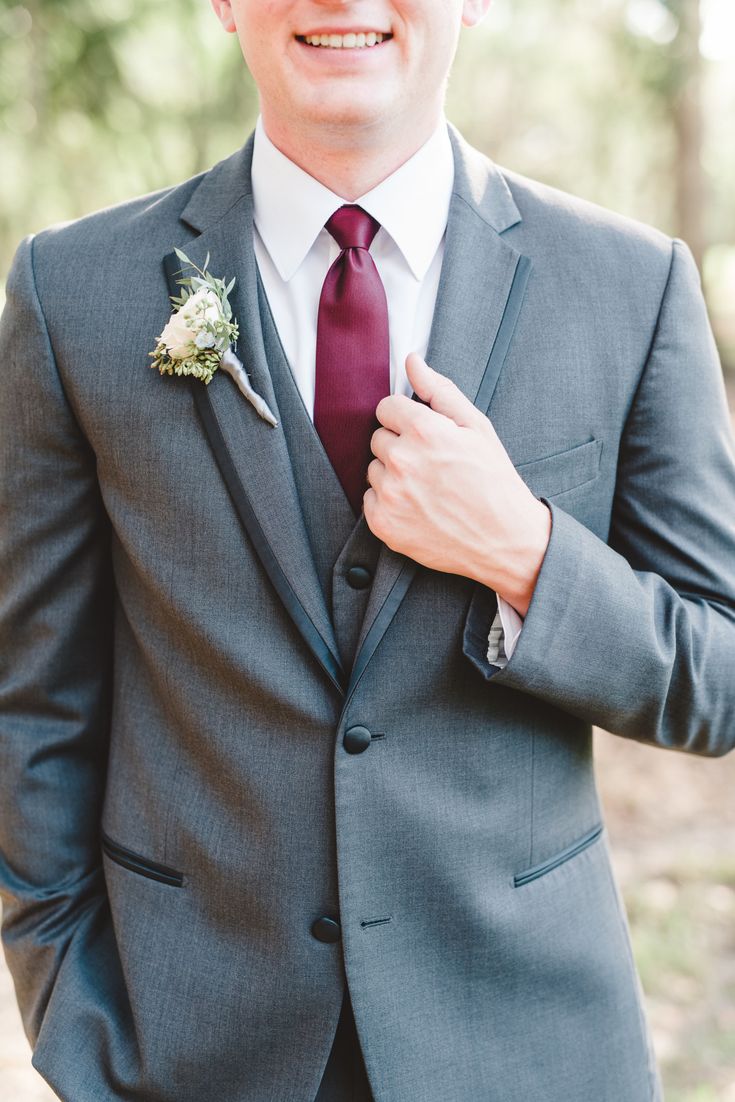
(442, 394)
(375, 474)
(381, 443)
(398, 413)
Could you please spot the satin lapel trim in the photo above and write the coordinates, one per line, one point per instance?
(479, 299)
(251, 454)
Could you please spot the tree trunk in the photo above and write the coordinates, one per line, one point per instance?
(687, 118)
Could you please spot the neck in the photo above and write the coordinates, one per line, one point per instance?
(349, 164)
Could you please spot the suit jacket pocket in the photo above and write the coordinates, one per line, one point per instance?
(558, 859)
(134, 862)
(554, 474)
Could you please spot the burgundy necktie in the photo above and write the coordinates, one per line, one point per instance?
(352, 351)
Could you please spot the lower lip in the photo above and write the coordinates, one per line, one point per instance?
(355, 55)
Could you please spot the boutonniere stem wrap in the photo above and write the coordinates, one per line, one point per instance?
(201, 332)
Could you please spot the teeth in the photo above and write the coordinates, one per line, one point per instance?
(346, 41)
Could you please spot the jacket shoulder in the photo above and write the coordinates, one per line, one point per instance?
(568, 224)
(145, 225)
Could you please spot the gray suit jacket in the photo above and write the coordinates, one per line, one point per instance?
(185, 655)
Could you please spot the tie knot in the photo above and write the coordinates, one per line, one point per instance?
(352, 227)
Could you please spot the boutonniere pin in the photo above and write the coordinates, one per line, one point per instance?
(200, 334)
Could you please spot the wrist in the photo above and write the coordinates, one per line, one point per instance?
(515, 578)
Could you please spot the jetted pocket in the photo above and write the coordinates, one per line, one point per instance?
(134, 862)
(558, 859)
(555, 474)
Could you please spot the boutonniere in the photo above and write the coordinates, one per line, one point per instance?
(200, 334)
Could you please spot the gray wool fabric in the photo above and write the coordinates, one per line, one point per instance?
(180, 660)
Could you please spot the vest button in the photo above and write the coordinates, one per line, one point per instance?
(326, 929)
(359, 577)
(356, 739)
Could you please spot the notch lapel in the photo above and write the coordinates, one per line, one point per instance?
(479, 299)
(251, 454)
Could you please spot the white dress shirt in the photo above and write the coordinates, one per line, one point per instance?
(294, 251)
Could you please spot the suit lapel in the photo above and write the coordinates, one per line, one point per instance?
(252, 455)
(479, 299)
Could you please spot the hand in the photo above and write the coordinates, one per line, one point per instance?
(444, 492)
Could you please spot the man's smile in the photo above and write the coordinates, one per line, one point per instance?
(345, 40)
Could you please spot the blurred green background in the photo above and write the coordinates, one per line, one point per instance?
(629, 103)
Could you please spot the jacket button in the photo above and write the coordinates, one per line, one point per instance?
(326, 929)
(359, 577)
(356, 739)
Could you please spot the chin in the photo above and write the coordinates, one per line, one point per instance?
(360, 113)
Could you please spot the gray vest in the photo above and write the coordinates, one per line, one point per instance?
(339, 543)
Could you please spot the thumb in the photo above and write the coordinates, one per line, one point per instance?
(441, 393)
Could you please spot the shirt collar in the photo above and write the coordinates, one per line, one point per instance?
(290, 207)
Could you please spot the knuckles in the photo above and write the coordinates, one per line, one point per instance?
(401, 464)
(422, 429)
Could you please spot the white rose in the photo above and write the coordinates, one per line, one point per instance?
(180, 333)
(178, 337)
(203, 304)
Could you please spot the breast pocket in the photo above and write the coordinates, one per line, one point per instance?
(562, 471)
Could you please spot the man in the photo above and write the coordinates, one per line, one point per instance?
(298, 800)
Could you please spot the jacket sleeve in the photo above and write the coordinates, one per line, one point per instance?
(56, 609)
(637, 635)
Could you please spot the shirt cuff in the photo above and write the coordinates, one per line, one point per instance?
(503, 635)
